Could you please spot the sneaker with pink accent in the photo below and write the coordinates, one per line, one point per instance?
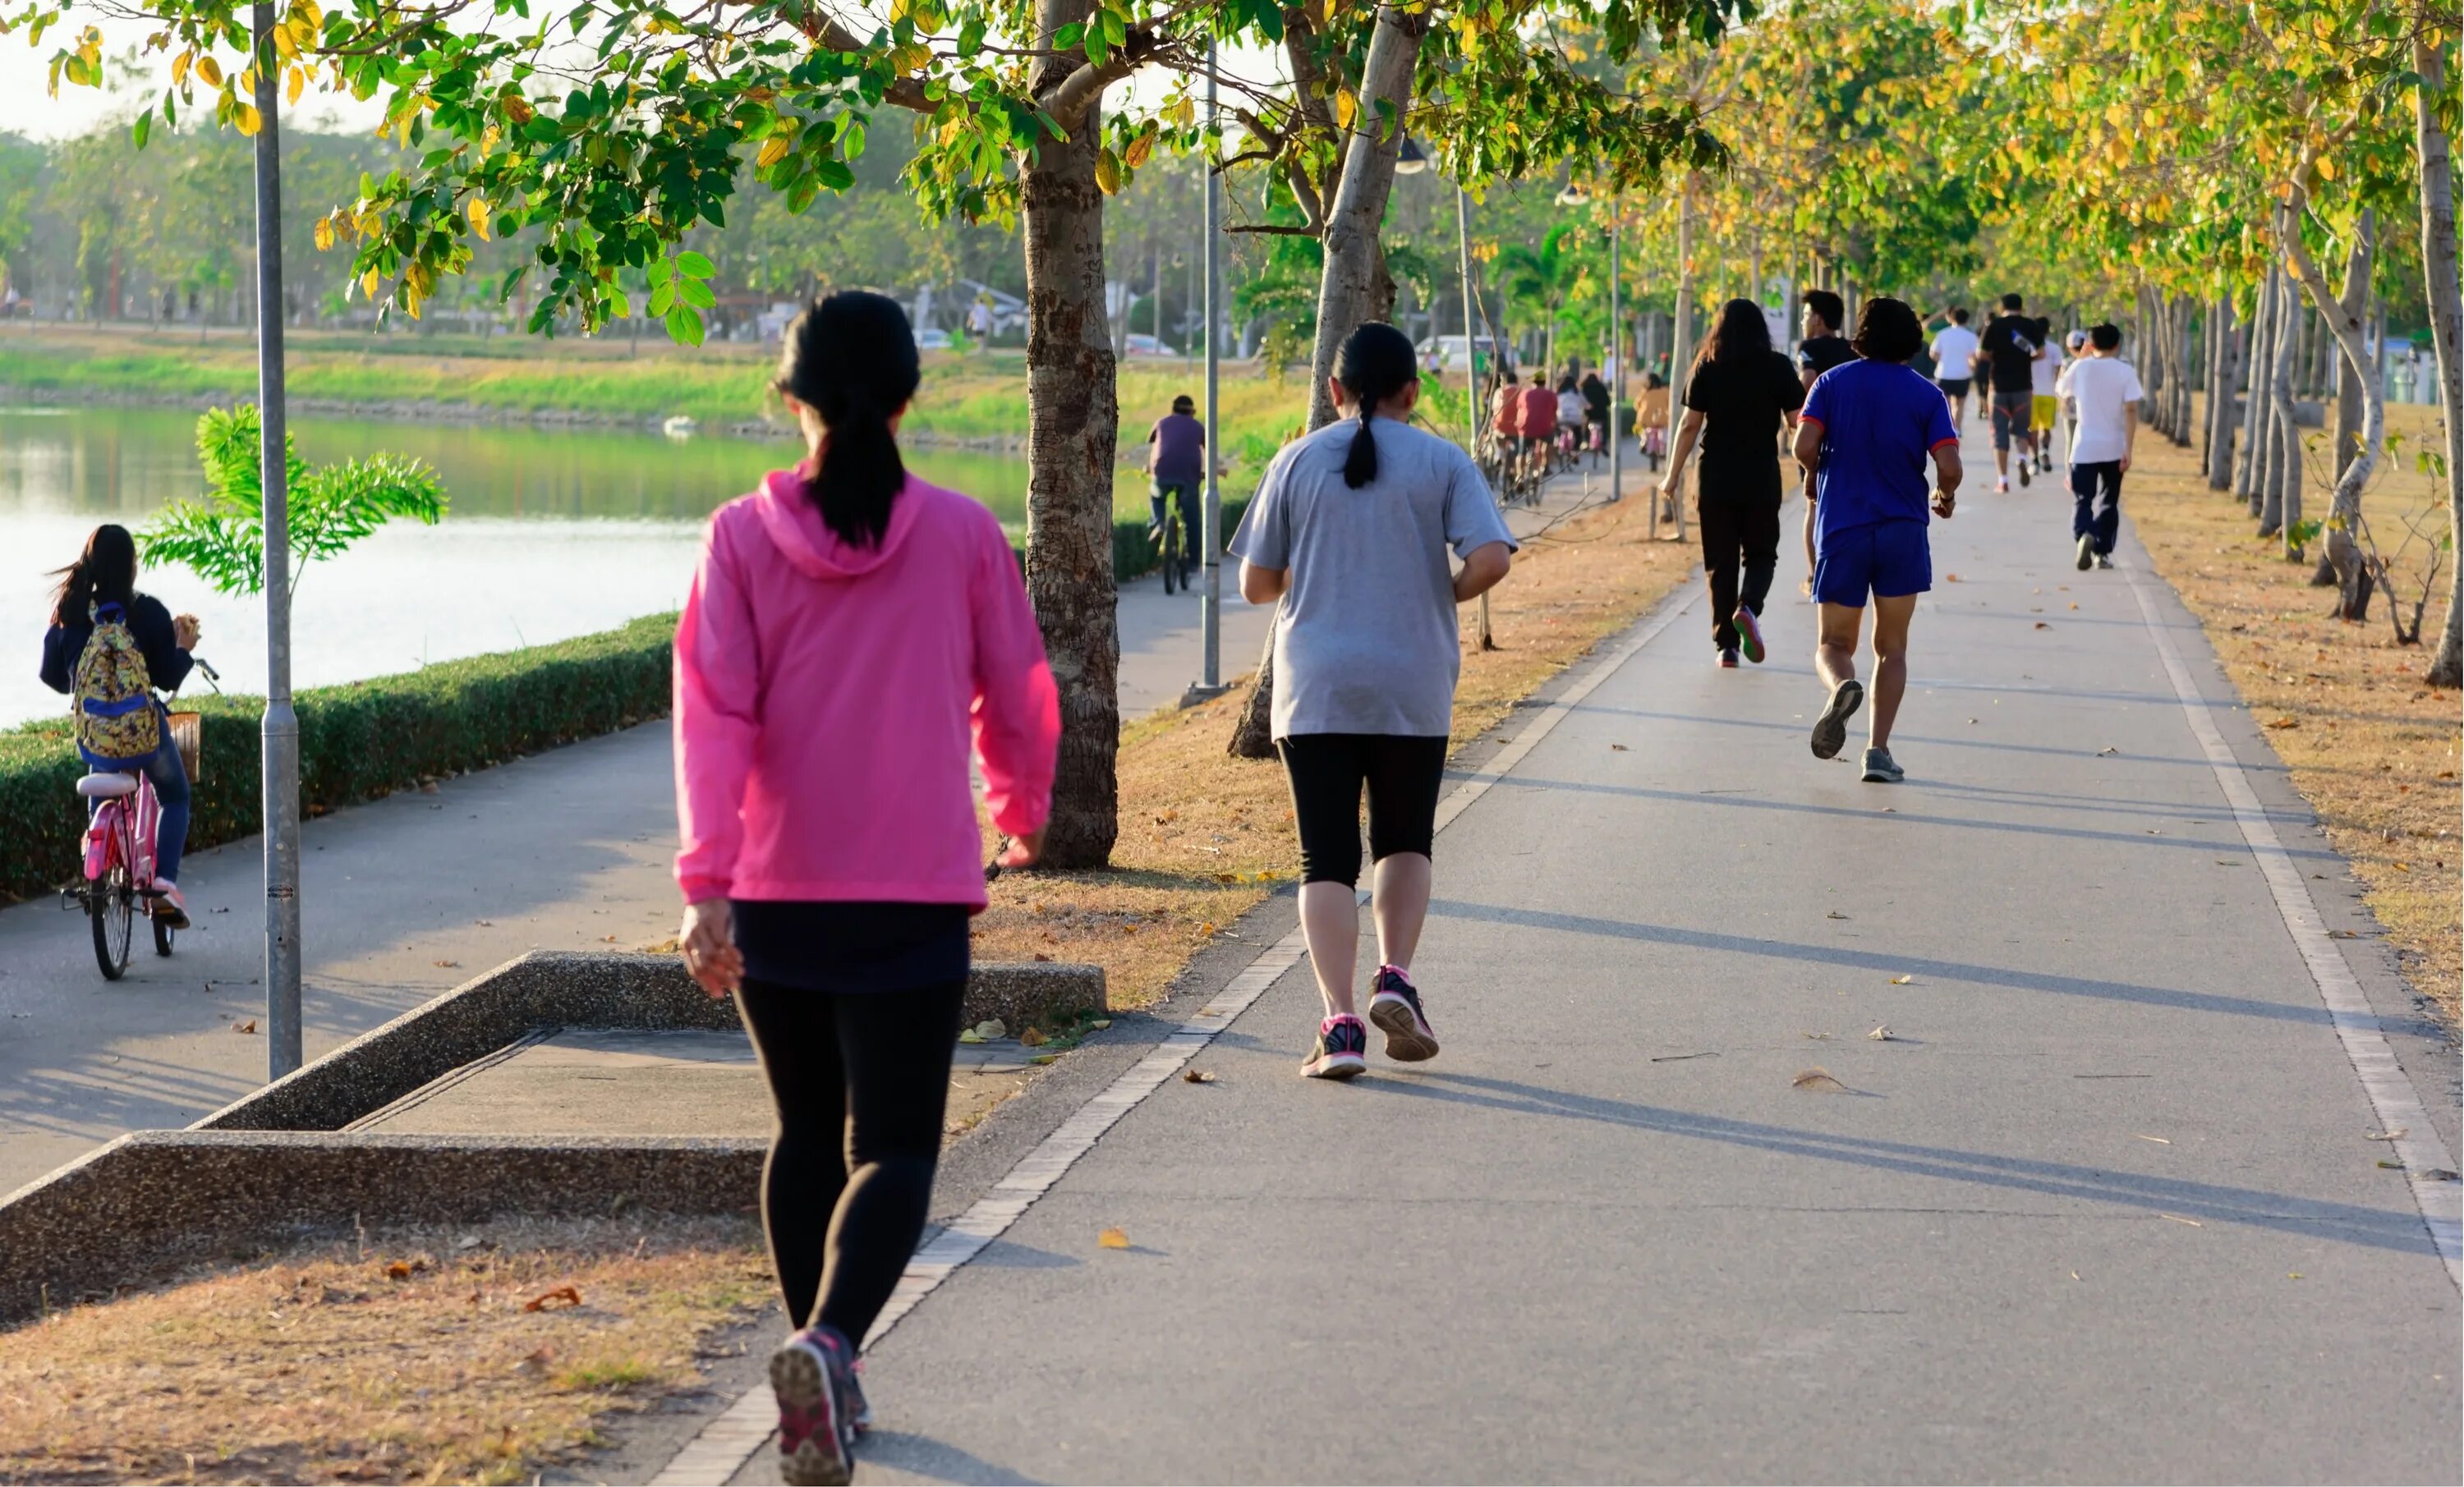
(1396, 1009)
(811, 1374)
(1342, 1050)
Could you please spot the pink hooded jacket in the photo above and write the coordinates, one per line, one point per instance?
(825, 694)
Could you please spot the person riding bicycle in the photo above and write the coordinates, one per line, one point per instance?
(1175, 465)
(99, 593)
(1539, 425)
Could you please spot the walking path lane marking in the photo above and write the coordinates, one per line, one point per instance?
(2390, 1090)
(727, 1443)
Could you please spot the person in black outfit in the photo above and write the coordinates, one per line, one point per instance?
(1596, 412)
(1822, 349)
(1737, 396)
(105, 574)
(2013, 344)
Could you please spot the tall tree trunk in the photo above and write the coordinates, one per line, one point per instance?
(2185, 411)
(2446, 328)
(2246, 471)
(2340, 317)
(1073, 417)
(2283, 448)
(2221, 374)
(2340, 558)
(1353, 286)
(1681, 346)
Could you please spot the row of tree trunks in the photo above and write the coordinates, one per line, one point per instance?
(2254, 354)
(2224, 369)
(2279, 512)
(2340, 555)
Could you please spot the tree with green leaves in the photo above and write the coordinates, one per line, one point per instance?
(220, 535)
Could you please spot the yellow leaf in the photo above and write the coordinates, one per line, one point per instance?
(369, 283)
(325, 234)
(210, 71)
(1107, 173)
(478, 209)
(1345, 106)
(244, 116)
(2326, 167)
(298, 84)
(1113, 1239)
(180, 65)
(284, 43)
(1139, 149)
(1901, 980)
(773, 149)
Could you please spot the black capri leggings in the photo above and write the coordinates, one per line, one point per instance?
(1402, 773)
(861, 1081)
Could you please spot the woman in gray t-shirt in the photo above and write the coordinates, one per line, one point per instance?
(1350, 528)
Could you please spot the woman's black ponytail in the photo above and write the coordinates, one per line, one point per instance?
(1376, 362)
(851, 358)
(106, 571)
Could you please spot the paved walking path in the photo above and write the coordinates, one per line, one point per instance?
(2087, 1189)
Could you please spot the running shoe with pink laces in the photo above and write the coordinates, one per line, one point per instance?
(1396, 1009)
(1342, 1050)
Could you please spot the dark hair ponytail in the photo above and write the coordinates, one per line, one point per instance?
(1376, 362)
(105, 572)
(851, 358)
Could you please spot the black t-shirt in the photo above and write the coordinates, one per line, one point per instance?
(2010, 342)
(1822, 353)
(1742, 406)
(149, 625)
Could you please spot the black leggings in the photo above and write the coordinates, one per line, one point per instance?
(1327, 770)
(861, 1083)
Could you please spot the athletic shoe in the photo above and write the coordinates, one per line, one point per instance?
(2024, 463)
(1831, 728)
(1396, 1009)
(2086, 552)
(168, 905)
(1880, 768)
(1341, 1051)
(1749, 634)
(1727, 659)
(859, 1409)
(2104, 560)
(809, 1374)
(2001, 485)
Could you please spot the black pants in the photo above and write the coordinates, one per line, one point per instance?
(1739, 517)
(1328, 770)
(861, 1081)
(2087, 481)
(1161, 496)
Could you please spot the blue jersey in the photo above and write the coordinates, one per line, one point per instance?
(1880, 423)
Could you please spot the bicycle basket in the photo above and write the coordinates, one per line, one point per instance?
(188, 732)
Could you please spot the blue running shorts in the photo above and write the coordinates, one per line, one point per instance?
(1886, 558)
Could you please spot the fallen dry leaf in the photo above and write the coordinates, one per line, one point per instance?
(448, 965)
(2159, 1139)
(1113, 1239)
(2042, 625)
(2397, 1134)
(2179, 1219)
(248, 1026)
(2106, 752)
(1619, 749)
(968, 1034)
(1818, 1079)
(1901, 980)
(991, 1028)
(1033, 1038)
(1836, 915)
(563, 1295)
(2284, 723)
(404, 1269)
(1819, 1037)
(1100, 1023)
(1880, 1035)
(538, 1361)
(1196, 1077)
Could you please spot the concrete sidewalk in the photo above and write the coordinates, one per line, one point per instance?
(1990, 1127)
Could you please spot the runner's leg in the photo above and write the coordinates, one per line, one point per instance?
(1891, 618)
(1405, 777)
(795, 1037)
(1327, 771)
(1717, 519)
(1835, 655)
(895, 1049)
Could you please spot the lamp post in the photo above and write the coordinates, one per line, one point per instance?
(281, 725)
(1210, 602)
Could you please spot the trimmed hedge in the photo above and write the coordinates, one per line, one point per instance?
(356, 741)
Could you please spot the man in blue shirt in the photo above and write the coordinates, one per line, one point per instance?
(1866, 432)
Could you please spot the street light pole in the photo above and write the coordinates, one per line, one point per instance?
(1210, 605)
(1617, 358)
(281, 725)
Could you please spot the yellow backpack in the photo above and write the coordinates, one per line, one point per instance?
(115, 720)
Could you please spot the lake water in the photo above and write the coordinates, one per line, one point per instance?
(551, 533)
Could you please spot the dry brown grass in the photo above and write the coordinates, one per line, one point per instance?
(1206, 835)
(2371, 748)
(405, 1357)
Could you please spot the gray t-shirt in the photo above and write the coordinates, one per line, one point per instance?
(1368, 642)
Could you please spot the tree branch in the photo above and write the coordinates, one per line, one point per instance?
(1274, 229)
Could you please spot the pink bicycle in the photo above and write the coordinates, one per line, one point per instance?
(119, 851)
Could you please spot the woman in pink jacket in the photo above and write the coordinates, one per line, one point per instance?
(849, 629)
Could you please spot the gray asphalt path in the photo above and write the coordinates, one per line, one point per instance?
(2104, 1206)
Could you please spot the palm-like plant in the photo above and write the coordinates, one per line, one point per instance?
(220, 536)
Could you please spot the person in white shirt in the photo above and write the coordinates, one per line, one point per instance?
(1954, 354)
(2101, 393)
(2044, 376)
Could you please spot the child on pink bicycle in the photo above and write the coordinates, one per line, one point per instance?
(110, 646)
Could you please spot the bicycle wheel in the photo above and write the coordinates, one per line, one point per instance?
(111, 905)
(163, 934)
(1172, 580)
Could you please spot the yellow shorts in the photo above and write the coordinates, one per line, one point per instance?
(2044, 411)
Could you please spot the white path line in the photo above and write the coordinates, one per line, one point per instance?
(723, 1446)
(2392, 1096)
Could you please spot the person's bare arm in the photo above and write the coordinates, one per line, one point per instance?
(1809, 448)
(1948, 471)
(1264, 586)
(1481, 572)
(2129, 432)
(1690, 429)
